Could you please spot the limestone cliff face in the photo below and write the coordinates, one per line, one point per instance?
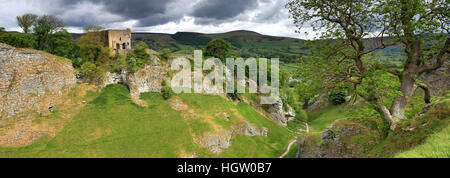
(146, 79)
(31, 80)
(279, 114)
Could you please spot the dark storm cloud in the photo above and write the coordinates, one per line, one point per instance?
(208, 11)
(147, 12)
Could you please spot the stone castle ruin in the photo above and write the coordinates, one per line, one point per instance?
(119, 41)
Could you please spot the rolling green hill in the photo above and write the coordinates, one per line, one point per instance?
(111, 125)
(244, 44)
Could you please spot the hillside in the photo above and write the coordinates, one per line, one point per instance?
(111, 125)
(244, 44)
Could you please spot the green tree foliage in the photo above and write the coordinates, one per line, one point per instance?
(26, 22)
(218, 48)
(133, 63)
(92, 73)
(165, 54)
(345, 59)
(138, 57)
(118, 63)
(19, 40)
(166, 91)
(61, 44)
(140, 50)
(337, 97)
(45, 26)
(91, 43)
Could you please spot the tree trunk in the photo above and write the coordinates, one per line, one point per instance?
(427, 97)
(306, 104)
(408, 87)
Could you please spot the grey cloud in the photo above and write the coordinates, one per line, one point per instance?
(208, 11)
(147, 12)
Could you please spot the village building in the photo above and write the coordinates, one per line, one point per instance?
(119, 41)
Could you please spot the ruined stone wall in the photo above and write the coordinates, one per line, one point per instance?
(117, 40)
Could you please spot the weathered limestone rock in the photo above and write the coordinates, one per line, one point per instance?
(31, 80)
(290, 114)
(336, 141)
(321, 103)
(217, 141)
(279, 114)
(439, 80)
(251, 130)
(146, 79)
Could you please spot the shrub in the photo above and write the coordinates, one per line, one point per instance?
(132, 62)
(140, 50)
(118, 63)
(337, 97)
(165, 54)
(301, 115)
(218, 48)
(20, 40)
(92, 73)
(166, 93)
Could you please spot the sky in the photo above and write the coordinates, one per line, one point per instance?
(268, 17)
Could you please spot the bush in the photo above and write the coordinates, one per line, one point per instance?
(118, 63)
(301, 115)
(166, 93)
(92, 73)
(19, 40)
(337, 97)
(140, 50)
(165, 54)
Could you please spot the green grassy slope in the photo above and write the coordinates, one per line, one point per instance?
(323, 118)
(113, 126)
(436, 146)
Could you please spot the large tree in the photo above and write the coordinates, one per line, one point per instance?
(345, 24)
(44, 27)
(91, 43)
(26, 21)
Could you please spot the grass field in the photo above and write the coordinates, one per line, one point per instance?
(436, 146)
(323, 118)
(113, 126)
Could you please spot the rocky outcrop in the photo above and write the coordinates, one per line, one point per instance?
(321, 103)
(220, 139)
(146, 79)
(343, 139)
(279, 114)
(32, 81)
(251, 130)
(438, 80)
(217, 141)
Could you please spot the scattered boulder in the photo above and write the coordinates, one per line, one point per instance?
(51, 108)
(251, 130)
(217, 141)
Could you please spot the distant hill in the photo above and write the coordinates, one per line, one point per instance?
(244, 44)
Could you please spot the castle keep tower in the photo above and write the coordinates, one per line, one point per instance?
(119, 41)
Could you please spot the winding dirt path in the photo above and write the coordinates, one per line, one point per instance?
(292, 142)
(288, 149)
